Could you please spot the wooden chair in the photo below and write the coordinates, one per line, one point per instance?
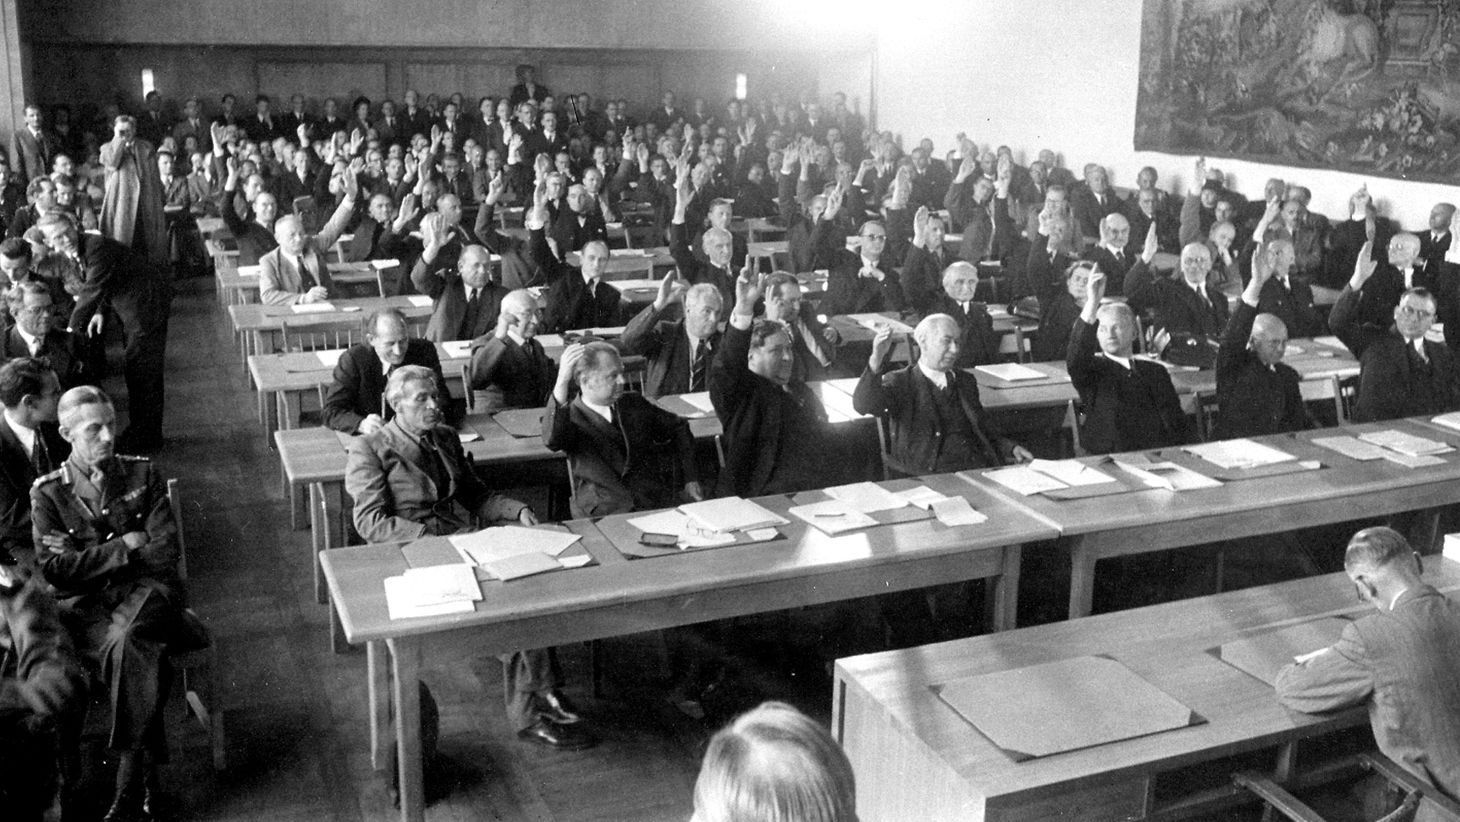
(1015, 345)
(1206, 414)
(200, 666)
(1072, 422)
(320, 335)
(1348, 398)
(1325, 390)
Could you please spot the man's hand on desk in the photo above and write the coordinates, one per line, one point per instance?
(371, 424)
(527, 517)
(693, 492)
(318, 294)
(1022, 455)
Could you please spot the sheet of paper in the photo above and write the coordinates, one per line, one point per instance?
(1011, 372)
(1416, 461)
(311, 308)
(248, 270)
(444, 582)
(731, 514)
(491, 544)
(1071, 472)
(700, 400)
(867, 497)
(1406, 444)
(420, 301)
(607, 331)
(468, 436)
(955, 511)
(922, 496)
(402, 602)
(550, 340)
(662, 522)
(1331, 341)
(1351, 447)
(832, 516)
(1024, 480)
(330, 358)
(381, 265)
(1238, 453)
(873, 322)
(457, 349)
(1167, 475)
(1450, 420)
(521, 565)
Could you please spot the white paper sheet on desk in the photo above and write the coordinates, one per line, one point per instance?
(420, 301)
(1406, 444)
(550, 340)
(381, 265)
(330, 358)
(1167, 475)
(1351, 447)
(678, 524)
(627, 252)
(400, 601)
(490, 544)
(1450, 420)
(311, 308)
(921, 497)
(731, 514)
(832, 516)
(431, 591)
(249, 270)
(1071, 472)
(866, 497)
(468, 436)
(457, 349)
(1239, 453)
(873, 322)
(700, 400)
(1331, 341)
(607, 331)
(1024, 480)
(955, 511)
(1412, 460)
(1011, 372)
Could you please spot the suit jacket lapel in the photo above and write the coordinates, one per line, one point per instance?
(606, 432)
(13, 459)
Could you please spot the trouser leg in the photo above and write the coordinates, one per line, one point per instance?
(524, 674)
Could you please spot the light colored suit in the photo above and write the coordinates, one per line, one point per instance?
(279, 279)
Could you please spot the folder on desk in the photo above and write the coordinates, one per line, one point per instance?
(1063, 706)
(731, 514)
(1264, 655)
(1011, 372)
(520, 422)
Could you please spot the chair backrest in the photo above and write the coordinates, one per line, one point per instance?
(1206, 414)
(1016, 343)
(314, 334)
(1327, 389)
(174, 501)
(466, 386)
(1348, 398)
(620, 237)
(1072, 422)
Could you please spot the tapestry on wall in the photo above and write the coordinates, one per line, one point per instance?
(1367, 86)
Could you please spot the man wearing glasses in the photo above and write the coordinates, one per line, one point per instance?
(1402, 374)
(860, 281)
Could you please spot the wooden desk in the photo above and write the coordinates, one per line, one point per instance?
(262, 325)
(619, 597)
(915, 758)
(631, 263)
(1141, 522)
(242, 282)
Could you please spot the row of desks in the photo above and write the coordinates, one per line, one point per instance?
(619, 596)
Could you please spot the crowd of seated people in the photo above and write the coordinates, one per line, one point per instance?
(1215, 280)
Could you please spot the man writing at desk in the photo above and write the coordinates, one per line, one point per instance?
(1403, 662)
(353, 405)
(411, 478)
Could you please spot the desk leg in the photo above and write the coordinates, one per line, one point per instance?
(382, 735)
(1082, 578)
(405, 655)
(290, 408)
(1004, 591)
(318, 537)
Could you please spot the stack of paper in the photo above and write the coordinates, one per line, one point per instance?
(832, 516)
(955, 511)
(690, 534)
(731, 514)
(1166, 475)
(420, 301)
(457, 349)
(1406, 444)
(1024, 480)
(1351, 447)
(1011, 372)
(1070, 472)
(1239, 453)
(1450, 420)
(432, 591)
(512, 551)
(866, 497)
(311, 308)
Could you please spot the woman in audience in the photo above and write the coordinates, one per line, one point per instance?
(773, 764)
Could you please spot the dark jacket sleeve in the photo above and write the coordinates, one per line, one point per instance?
(47, 679)
(871, 395)
(1232, 352)
(1343, 320)
(641, 336)
(730, 373)
(1080, 357)
(340, 406)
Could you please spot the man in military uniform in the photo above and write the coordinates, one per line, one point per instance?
(106, 541)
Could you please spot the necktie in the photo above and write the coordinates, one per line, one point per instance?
(1419, 351)
(435, 466)
(473, 310)
(306, 279)
(39, 459)
(1120, 256)
(698, 367)
(1200, 292)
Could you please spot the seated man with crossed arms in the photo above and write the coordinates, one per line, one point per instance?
(411, 479)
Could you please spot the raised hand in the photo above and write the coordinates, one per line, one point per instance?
(671, 290)
(747, 293)
(408, 212)
(1095, 288)
(352, 183)
(881, 346)
(966, 169)
(495, 187)
(1364, 266)
(920, 225)
(1152, 245)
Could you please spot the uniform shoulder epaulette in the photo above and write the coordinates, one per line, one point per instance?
(132, 458)
(45, 478)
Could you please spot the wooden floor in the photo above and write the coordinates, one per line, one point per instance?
(296, 722)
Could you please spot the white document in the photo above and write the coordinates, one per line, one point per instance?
(1331, 341)
(500, 542)
(874, 322)
(1071, 472)
(1239, 453)
(420, 301)
(607, 331)
(1167, 475)
(832, 516)
(550, 340)
(662, 522)
(402, 602)
(330, 358)
(867, 497)
(431, 591)
(731, 514)
(311, 308)
(955, 511)
(575, 561)
(1351, 447)
(700, 400)
(381, 265)
(1450, 420)
(457, 349)
(922, 496)
(249, 270)
(468, 436)
(1412, 461)
(1406, 444)
(1012, 372)
(1024, 480)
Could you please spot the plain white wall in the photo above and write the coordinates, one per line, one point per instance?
(1062, 75)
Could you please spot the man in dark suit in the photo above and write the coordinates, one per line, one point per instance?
(414, 119)
(625, 452)
(1436, 241)
(929, 180)
(1093, 201)
(107, 273)
(379, 234)
(580, 298)
(1130, 403)
(252, 229)
(261, 127)
(1045, 267)
(527, 87)
(1058, 311)
(1402, 270)
(409, 479)
(1403, 662)
(718, 244)
(106, 541)
(467, 300)
(679, 352)
(32, 148)
(1190, 310)
(296, 116)
(927, 258)
(355, 403)
(777, 437)
(1286, 297)
(33, 333)
(509, 365)
(1109, 254)
(580, 222)
(1257, 393)
(977, 342)
(666, 116)
(813, 344)
(933, 408)
(1401, 373)
(860, 282)
(30, 447)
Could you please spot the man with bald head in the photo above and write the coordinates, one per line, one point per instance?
(977, 342)
(298, 270)
(253, 226)
(1436, 241)
(378, 235)
(679, 351)
(1403, 662)
(718, 245)
(1286, 297)
(467, 299)
(510, 366)
(1130, 404)
(1401, 270)
(1257, 393)
(353, 404)
(1191, 311)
